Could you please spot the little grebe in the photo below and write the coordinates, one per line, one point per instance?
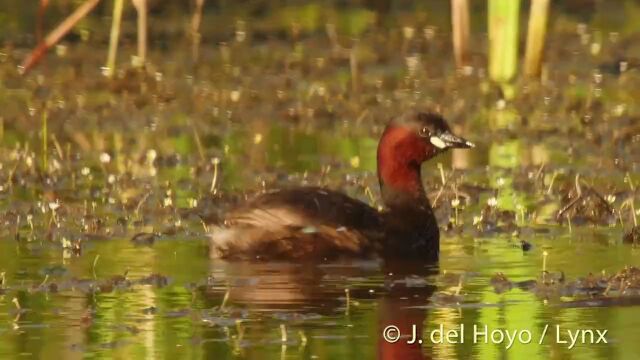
(314, 223)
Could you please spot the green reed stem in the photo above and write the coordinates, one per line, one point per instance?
(45, 116)
(110, 68)
(141, 7)
(503, 39)
(535, 37)
(460, 23)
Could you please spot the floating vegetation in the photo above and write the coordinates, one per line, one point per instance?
(109, 185)
(633, 236)
(584, 204)
(621, 288)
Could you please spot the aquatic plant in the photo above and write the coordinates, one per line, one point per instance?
(503, 39)
(54, 36)
(460, 26)
(114, 37)
(535, 37)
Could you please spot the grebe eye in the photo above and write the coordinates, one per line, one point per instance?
(424, 132)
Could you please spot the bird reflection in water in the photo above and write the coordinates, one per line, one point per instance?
(318, 290)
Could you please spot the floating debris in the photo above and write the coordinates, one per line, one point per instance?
(583, 204)
(525, 245)
(597, 288)
(144, 239)
(500, 283)
(154, 279)
(633, 236)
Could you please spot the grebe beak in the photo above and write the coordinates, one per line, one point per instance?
(447, 140)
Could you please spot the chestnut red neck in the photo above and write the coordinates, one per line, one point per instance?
(401, 153)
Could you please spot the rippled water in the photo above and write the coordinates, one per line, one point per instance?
(135, 155)
(188, 318)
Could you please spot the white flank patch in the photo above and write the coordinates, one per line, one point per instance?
(220, 236)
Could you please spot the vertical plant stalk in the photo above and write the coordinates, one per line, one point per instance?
(95, 263)
(196, 136)
(114, 37)
(503, 39)
(214, 180)
(460, 23)
(535, 37)
(196, 20)
(54, 36)
(353, 67)
(45, 142)
(141, 7)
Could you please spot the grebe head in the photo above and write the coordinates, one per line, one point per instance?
(406, 143)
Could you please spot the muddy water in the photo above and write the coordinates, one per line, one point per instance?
(105, 209)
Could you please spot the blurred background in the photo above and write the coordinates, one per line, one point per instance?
(127, 128)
